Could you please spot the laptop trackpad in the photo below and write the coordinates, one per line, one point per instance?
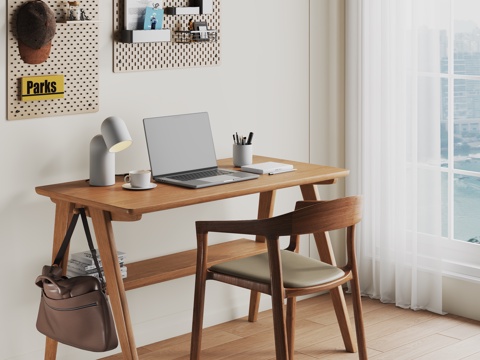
(218, 178)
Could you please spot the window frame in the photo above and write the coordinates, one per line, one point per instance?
(460, 257)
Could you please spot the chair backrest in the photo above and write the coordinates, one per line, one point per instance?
(321, 216)
(315, 217)
(310, 217)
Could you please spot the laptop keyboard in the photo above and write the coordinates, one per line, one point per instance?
(199, 175)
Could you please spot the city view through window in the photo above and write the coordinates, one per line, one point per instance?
(460, 151)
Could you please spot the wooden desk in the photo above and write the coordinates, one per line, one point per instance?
(112, 203)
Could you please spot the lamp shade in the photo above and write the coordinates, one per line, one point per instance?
(115, 137)
(115, 134)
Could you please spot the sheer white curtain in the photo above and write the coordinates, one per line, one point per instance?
(392, 137)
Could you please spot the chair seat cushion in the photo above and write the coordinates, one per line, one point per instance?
(298, 270)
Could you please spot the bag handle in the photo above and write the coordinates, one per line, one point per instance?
(50, 280)
(68, 236)
(66, 241)
(90, 244)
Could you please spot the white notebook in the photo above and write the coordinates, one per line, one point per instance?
(268, 167)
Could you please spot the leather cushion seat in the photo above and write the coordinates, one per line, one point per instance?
(298, 270)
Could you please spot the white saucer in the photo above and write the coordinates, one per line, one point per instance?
(128, 186)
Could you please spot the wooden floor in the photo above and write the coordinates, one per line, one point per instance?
(392, 333)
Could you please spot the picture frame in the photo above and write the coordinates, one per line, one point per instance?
(153, 18)
(134, 14)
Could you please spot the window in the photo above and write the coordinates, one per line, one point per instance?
(459, 50)
(413, 143)
(456, 41)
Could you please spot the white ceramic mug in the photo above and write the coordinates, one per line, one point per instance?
(242, 155)
(138, 178)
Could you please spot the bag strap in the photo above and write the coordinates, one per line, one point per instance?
(68, 236)
(90, 244)
(66, 240)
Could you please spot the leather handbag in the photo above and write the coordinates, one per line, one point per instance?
(75, 311)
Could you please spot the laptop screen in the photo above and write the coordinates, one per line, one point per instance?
(179, 143)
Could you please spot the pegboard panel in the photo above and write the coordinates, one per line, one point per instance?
(166, 55)
(74, 54)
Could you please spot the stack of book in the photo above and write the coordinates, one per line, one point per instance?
(82, 263)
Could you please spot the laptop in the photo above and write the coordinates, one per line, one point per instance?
(182, 152)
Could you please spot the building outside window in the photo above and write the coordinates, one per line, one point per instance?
(459, 65)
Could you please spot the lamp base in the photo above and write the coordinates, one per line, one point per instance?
(102, 163)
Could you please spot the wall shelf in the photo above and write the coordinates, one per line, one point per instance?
(187, 36)
(78, 22)
(147, 56)
(182, 10)
(145, 36)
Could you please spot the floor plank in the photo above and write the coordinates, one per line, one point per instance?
(392, 334)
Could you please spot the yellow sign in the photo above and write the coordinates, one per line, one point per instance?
(43, 87)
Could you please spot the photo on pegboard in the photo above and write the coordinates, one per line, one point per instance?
(153, 18)
(134, 14)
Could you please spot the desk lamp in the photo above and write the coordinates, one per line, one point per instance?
(114, 138)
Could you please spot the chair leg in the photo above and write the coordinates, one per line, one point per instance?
(343, 319)
(254, 304)
(358, 314)
(278, 296)
(197, 322)
(199, 302)
(281, 348)
(291, 311)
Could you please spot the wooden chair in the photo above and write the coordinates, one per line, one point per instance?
(283, 273)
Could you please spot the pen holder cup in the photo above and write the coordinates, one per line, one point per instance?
(242, 155)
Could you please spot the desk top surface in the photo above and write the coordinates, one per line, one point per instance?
(115, 199)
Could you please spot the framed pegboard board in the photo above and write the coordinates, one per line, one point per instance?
(166, 55)
(74, 54)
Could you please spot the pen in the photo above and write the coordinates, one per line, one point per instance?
(280, 171)
(250, 136)
(242, 140)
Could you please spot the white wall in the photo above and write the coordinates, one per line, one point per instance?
(327, 87)
(262, 85)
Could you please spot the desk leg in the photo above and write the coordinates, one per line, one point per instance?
(108, 252)
(265, 210)
(63, 215)
(324, 245)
